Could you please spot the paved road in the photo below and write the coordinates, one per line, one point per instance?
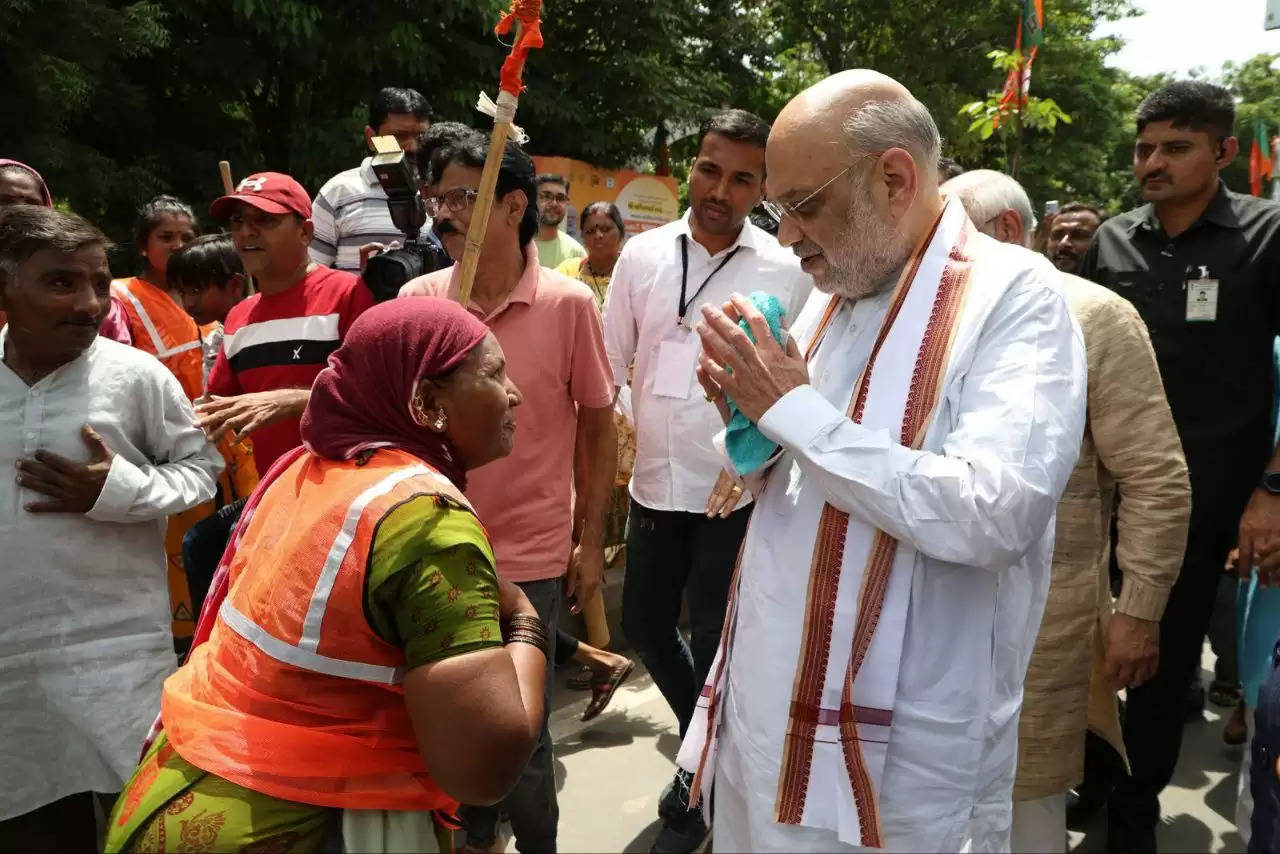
(610, 772)
(1199, 806)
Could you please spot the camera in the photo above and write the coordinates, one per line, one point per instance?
(386, 272)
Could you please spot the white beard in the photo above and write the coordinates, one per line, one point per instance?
(867, 253)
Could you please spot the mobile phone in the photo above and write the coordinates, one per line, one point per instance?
(1051, 207)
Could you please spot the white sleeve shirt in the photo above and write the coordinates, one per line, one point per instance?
(85, 640)
(676, 462)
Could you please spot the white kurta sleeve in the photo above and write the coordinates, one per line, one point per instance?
(183, 467)
(621, 331)
(988, 494)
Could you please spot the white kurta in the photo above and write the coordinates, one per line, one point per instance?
(676, 463)
(85, 639)
(977, 503)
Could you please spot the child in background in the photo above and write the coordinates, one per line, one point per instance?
(207, 278)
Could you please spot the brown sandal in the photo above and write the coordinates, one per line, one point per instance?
(602, 692)
(581, 679)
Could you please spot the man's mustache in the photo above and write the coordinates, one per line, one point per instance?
(1161, 176)
(446, 227)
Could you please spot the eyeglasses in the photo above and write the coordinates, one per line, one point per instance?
(778, 211)
(553, 197)
(456, 200)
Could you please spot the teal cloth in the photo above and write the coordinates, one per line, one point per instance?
(1258, 608)
(748, 448)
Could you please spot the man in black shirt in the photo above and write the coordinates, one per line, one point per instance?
(1202, 266)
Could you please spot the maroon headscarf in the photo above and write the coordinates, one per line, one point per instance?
(362, 399)
(44, 188)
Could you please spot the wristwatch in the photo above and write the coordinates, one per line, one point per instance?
(1270, 482)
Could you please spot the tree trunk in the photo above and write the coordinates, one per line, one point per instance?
(661, 153)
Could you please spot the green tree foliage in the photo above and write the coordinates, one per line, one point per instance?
(116, 101)
(937, 49)
(131, 100)
(1008, 121)
(1257, 90)
(68, 97)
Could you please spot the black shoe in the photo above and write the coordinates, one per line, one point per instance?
(1131, 841)
(1084, 803)
(683, 833)
(674, 798)
(1195, 702)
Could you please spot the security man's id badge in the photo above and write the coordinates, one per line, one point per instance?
(1202, 300)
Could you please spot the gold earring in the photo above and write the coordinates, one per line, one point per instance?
(418, 412)
(441, 420)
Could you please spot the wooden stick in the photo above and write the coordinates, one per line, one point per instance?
(484, 203)
(593, 615)
(229, 187)
(480, 213)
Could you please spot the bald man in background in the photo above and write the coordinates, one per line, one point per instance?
(1086, 651)
(928, 407)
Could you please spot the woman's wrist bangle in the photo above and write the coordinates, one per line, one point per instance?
(525, 628)
(531, 640)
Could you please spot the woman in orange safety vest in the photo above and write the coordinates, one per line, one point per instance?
(355, 678)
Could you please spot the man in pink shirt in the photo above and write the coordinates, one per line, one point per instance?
(544, 506)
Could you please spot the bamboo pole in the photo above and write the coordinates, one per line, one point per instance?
(593, 614)
(224, 169)
(484, 201)
(483, 207)
(229, 187)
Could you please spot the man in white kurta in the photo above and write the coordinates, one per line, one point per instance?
(928, 410)
(104, 447)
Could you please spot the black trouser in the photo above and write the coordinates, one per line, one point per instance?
(1222, 632)
(66, 825)
(1155, 711)
(566, 647)
(671, 554)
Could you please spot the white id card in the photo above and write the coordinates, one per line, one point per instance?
(1202, 300)
(677, 361)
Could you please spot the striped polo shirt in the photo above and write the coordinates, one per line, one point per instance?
(349, 211)
(284, 341)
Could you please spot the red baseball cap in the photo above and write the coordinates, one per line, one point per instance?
(271, 192)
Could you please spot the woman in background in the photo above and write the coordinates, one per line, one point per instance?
(603, 233)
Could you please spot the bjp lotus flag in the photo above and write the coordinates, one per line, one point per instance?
(1030, 36)
(1259, 157)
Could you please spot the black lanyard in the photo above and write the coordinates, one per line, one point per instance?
(684, 277)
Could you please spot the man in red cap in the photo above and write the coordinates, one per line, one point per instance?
(276, 341)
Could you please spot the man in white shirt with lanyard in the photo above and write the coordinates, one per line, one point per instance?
(928, 410)
(680, 537)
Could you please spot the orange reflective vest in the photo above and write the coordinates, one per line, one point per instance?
(294, 694)
(163, 328)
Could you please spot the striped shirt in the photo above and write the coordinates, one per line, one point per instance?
(284, 341)
(349, 211)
